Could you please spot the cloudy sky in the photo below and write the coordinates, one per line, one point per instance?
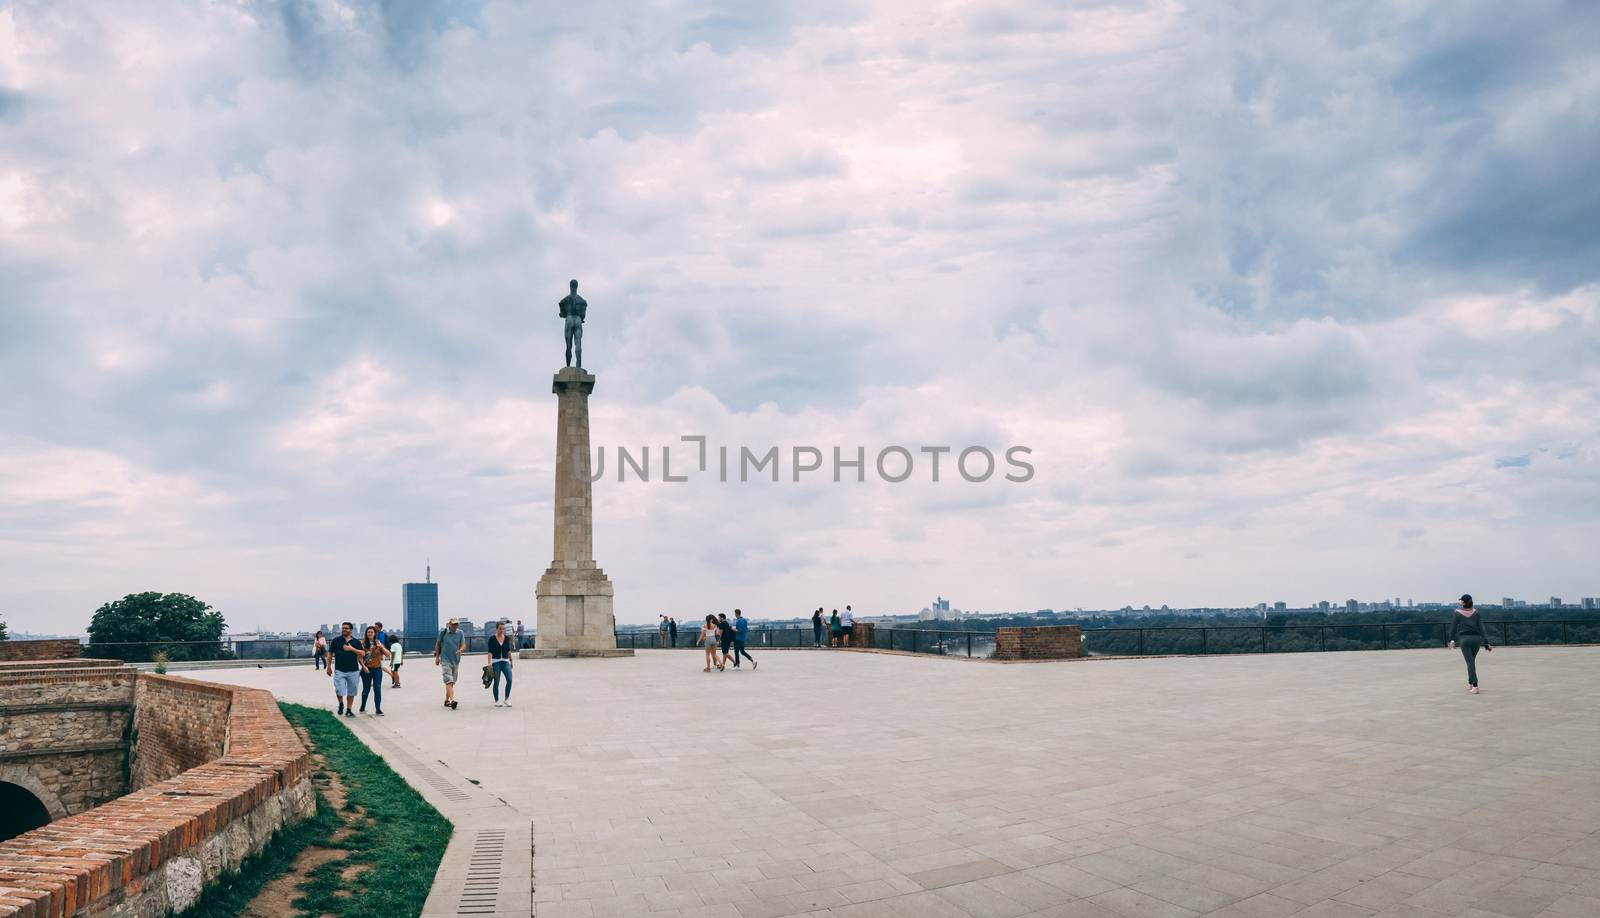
(1289, 301)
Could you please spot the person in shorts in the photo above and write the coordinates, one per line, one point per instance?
(447, 656)
(397, 651)
(847, 624)
(725, 635)
(344, 665)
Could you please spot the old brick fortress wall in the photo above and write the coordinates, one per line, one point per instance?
(64, 731)
(177, 724)
(1052, 642)
(152, 851)
(53, 649)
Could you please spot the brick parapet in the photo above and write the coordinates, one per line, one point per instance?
(150, 851)
(49, 649)
(1052, 642)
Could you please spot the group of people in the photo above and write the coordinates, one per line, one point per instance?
(367, 662)
(447, 651)
(377, 656)
(724, 640)
(840, 628)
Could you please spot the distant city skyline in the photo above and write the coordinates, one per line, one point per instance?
(1284, 299)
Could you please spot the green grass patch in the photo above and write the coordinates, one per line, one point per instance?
(393, 846)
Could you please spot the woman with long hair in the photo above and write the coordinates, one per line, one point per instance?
(710, 634)
(1468, 632)
(500, 648)
(372, 655)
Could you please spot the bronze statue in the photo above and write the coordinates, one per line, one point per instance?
(574, 308)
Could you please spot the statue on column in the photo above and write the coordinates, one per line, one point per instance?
(574, 308)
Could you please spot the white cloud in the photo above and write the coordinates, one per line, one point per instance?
(1267, 291)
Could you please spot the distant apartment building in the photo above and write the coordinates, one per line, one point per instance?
(419, 609)
(1590, 602)
(1508, 602)
(1555, 602)
(939, 611)
(1350, 605)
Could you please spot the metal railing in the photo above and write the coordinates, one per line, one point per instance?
(1153, 641)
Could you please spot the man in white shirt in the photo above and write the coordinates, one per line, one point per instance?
(847, 624)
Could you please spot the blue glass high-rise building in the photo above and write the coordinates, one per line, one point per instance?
(419, 607)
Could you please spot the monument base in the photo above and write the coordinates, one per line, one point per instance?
(575, 618)
(534, 653)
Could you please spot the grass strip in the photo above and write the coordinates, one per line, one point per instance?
(393, 847)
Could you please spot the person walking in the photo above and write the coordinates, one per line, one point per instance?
(709, 633)
(1468, 632)
(397, 656)
(447, 656)
(319, 651)
(344, 665)
(835, 630)
(500, 661)
(725, 635)
(816, 627)
(373, 654)
(848, 623)
(672, 630)
(741, 632)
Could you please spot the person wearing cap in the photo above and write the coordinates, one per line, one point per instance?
(447, 656)
(1468, 632)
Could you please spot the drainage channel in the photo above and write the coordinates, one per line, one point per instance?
(487, 869)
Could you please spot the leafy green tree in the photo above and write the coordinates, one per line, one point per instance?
(139, 625)
(3, 635)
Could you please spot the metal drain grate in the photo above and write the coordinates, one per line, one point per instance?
(450, 791)
(483, 873)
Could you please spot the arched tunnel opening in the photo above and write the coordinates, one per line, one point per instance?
(20, 811)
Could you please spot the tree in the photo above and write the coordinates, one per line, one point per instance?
(138, 625)
(3, 635)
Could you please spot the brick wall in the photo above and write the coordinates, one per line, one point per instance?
(177, 725)
(1056, 642)
(152, 852)
(64, 731)
(64, 649)
(863, 635)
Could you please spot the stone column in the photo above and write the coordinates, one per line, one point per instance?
(574, 595)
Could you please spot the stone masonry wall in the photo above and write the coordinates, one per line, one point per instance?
(1055, 642)
(52, 649)
(64, 732)
(177, 724)
(152, 852)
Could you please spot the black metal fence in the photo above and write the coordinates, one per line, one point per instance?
(1229, 639)
(1158, 641)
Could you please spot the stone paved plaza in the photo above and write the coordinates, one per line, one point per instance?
(849, 784)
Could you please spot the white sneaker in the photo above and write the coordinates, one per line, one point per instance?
(497, 704)
(508, 702)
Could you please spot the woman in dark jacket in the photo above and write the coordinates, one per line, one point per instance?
(1468, 632)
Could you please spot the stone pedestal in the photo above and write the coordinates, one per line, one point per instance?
(574, 595)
